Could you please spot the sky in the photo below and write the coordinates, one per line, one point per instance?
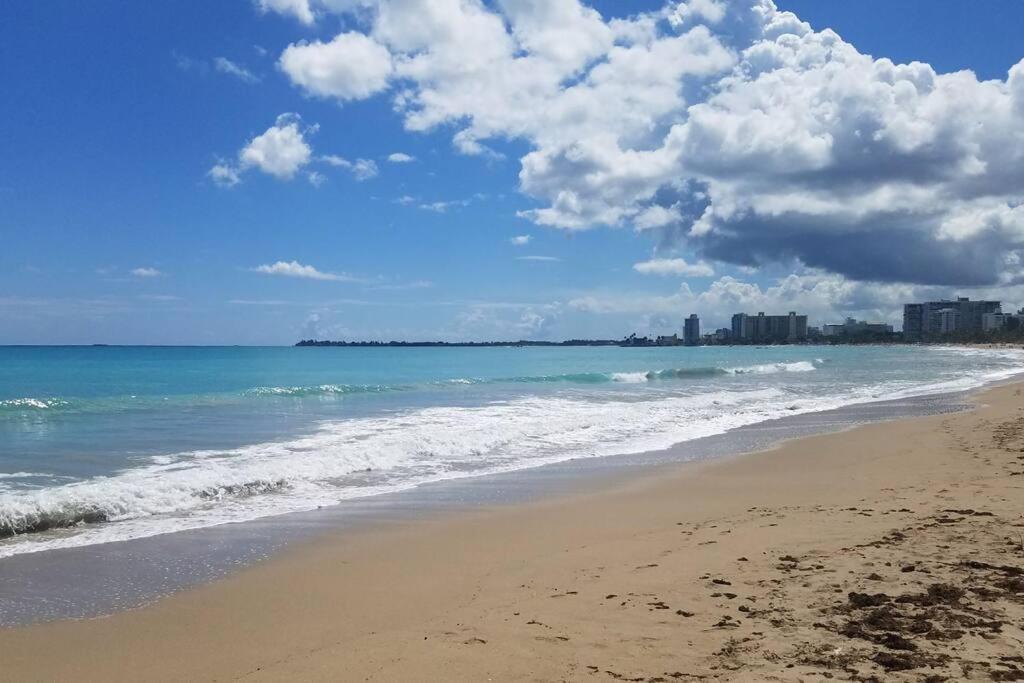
(261, 171)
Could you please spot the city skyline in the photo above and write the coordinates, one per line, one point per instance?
(263, 171)
(928, 321)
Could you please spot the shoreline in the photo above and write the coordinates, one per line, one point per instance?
(739, 567)
(98, 580)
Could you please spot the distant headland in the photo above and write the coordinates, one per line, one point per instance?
(521, 342)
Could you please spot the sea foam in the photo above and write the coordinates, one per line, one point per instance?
(390, 451)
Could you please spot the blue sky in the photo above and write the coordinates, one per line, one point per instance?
(114, 229)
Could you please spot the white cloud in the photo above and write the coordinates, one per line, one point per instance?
(402, 286)
(296, 269)
(364, 169)
(727, 126)
(656, 217)
(280, 151)
(352, 66)
(538, 258)
(521, 240)
(224, 175)
(335, 160)
(226, 66)
(400, 158)
(674, 266)
(713, 11)
(146, 271)
(299, 9)
(823, 297)
(510, 321)
(361, 169)
(443, 206)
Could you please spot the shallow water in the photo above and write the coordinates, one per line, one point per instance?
(101, 444)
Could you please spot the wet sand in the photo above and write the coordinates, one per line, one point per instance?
(893, 551)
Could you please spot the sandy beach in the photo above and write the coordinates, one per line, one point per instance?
(893, 551)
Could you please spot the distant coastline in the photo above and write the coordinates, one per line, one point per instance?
(521, 342)
(629, 342)
(647, 342)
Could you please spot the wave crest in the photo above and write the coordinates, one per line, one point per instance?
(40, 408)
(321, 390)
(29, 403)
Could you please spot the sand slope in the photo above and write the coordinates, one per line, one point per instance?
(890, 552)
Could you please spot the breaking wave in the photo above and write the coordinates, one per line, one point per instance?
(364, 456)
(19, 407)
(394, 450)
(19, 404)
(324, 390)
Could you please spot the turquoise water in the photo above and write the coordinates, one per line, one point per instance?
(101, 444)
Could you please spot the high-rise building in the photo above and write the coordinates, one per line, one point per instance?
(739, 326)
(913, 321)
(855, 327)
(972, 313)
(763, 328)
(990, 322)
(944, 321)
(691, 330)
(937, 318)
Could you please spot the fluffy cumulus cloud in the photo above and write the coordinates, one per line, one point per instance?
(299, 9)
(283, 151)
(280, 151)
(352, 66)
(823, 296)
(726, 127)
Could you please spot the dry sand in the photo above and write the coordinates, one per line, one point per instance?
(889, 552)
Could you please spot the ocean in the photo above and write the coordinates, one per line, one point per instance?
(103, 444)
